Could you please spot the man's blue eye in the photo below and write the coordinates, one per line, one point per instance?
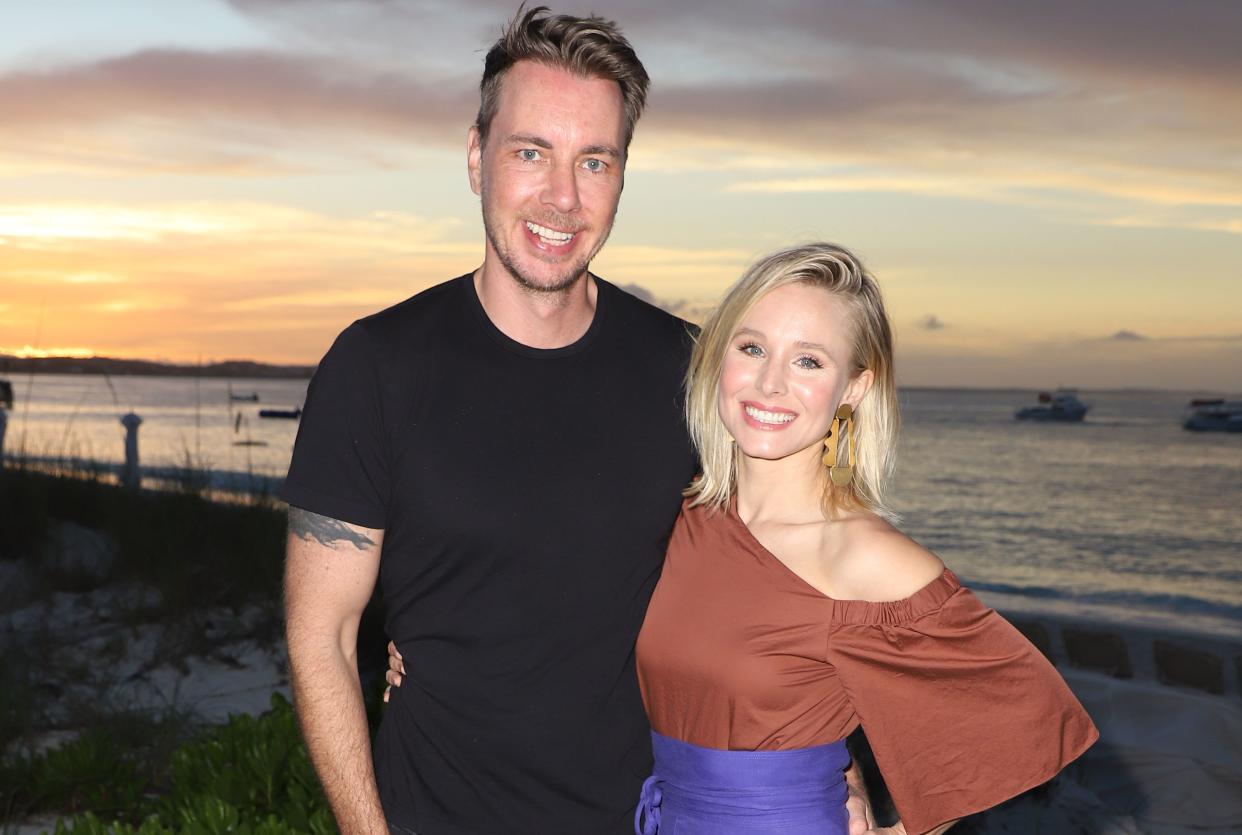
(594, 165)
(529, 155)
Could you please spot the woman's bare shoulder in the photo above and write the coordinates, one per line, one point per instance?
(879, 563)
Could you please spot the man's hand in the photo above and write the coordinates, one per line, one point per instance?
(330, 571)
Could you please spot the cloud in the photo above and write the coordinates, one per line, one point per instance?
(1127, 336)
(1135, 99)
(221, 110)
(931, 322)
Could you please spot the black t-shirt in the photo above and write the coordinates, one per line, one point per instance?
(526, 497)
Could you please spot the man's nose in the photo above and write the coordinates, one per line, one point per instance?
(561, 189)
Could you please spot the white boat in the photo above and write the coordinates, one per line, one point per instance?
(1214, 416)
(1061, 405)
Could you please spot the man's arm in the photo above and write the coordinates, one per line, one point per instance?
(330, 571)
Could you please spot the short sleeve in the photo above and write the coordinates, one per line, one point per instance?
(340, 465)
(960, 710)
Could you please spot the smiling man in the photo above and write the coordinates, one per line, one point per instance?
(505, 454)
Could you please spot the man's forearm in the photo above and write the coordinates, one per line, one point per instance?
(333, 719)
(330, 572)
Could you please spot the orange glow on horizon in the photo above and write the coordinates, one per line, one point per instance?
(26, 352)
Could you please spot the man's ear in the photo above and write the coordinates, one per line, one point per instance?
(474, 159)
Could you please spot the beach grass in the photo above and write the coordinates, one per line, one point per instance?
(199, 554)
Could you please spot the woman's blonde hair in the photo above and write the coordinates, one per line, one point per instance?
(839, 272)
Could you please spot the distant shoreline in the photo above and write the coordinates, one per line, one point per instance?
(110, 366)
(238, 369)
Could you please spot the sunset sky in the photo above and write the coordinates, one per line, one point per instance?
(1050, 193)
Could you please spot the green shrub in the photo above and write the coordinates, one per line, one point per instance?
(87, 774)
(253, 767)
(250, 776)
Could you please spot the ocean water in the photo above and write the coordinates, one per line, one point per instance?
(186, 420)
(1125, 515)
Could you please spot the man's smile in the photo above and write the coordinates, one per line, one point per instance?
(548, 237)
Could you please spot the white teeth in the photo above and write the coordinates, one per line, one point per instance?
(548, 236)
(769, 417)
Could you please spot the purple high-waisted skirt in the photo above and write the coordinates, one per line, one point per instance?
(706, 791)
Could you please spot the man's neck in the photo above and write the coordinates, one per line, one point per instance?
(537, 320)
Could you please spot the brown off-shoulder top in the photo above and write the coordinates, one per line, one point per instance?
(739, 653)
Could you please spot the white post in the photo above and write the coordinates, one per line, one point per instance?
(130, 475)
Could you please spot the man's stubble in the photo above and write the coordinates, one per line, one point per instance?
(575, 271)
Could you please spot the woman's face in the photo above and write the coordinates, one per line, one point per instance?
(785, 371)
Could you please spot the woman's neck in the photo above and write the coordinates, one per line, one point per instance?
(786, 490)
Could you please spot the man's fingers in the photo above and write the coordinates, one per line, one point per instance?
(392, 649)
(388, 690)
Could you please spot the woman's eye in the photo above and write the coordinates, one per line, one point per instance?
(809, 362)
(751, 350)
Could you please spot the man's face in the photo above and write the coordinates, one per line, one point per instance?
(550, 175)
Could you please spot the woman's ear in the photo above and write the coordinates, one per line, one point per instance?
(858, 387)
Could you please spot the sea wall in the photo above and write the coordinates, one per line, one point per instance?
(1183, 659)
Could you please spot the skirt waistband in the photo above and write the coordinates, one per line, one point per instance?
(724, 791)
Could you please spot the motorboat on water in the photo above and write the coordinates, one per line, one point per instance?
(288, 414)
(1061, 405)
(242, 397)
(1217, 415)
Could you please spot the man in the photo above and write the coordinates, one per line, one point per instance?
(511, 441)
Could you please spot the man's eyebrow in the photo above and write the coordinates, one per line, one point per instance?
(540, 142)
(528, 139)
(601, 151)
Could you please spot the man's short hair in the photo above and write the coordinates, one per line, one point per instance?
(591, 47)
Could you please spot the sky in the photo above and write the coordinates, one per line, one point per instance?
(1049, 193)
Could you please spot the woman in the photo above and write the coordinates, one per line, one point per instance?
(790, 610)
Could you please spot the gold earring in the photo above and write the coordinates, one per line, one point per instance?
(830, 447)
(843, 427)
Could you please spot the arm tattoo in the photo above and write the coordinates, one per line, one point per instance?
(325, 530)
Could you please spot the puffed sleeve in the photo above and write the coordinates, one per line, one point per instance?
(961, 711)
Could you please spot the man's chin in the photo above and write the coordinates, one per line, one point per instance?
(543, 282)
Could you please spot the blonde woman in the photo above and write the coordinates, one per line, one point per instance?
(790, 610)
